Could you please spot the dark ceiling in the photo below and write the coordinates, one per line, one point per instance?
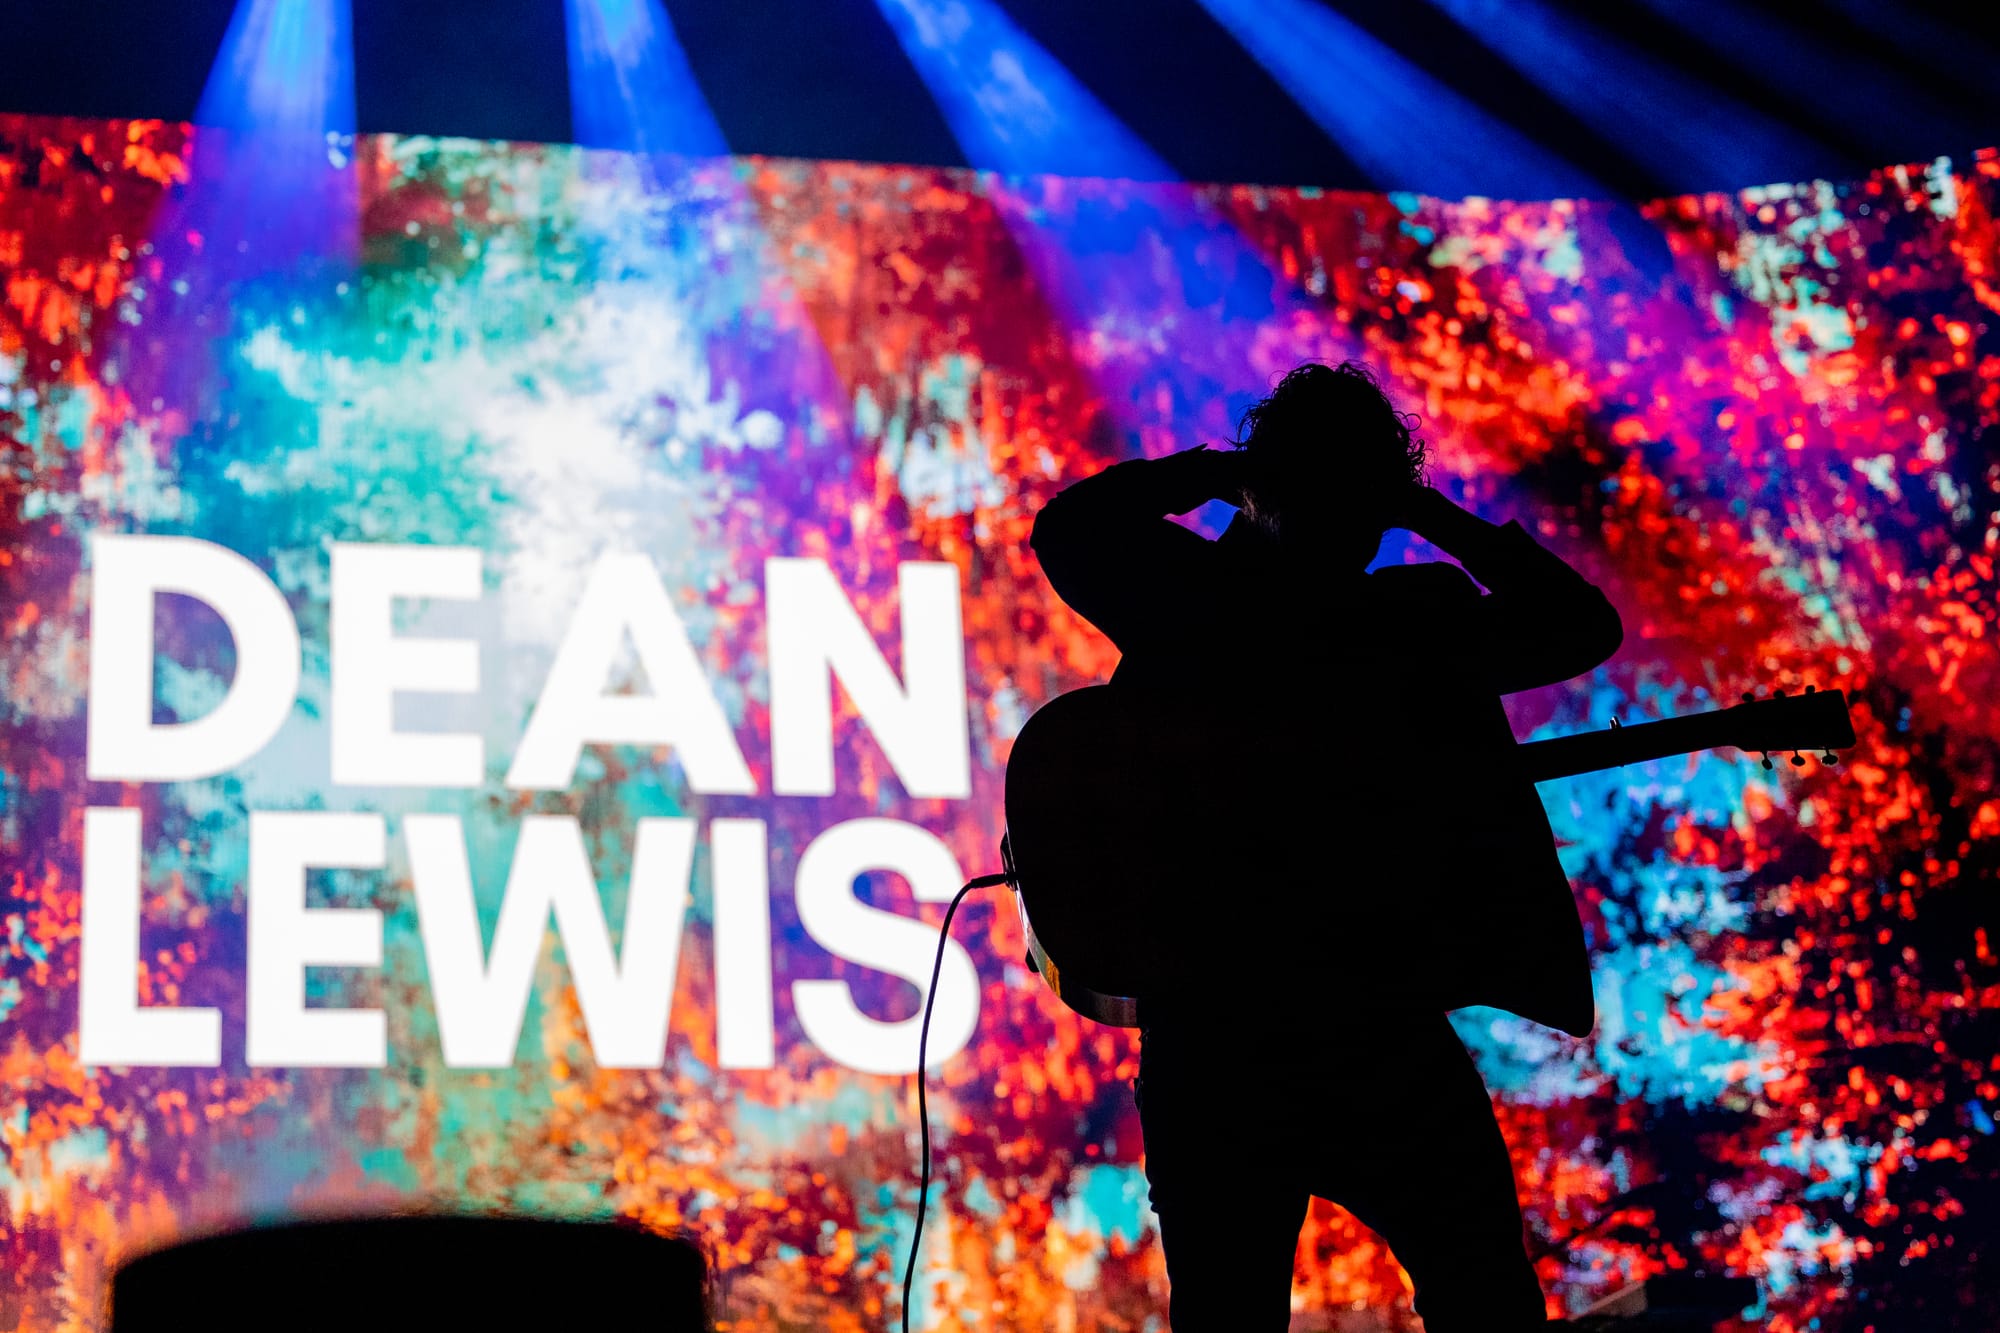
(826, 78)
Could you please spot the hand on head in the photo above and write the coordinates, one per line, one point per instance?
(1409, 507)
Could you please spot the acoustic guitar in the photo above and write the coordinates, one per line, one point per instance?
(1090, 821)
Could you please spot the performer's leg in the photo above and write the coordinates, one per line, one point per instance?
(1425, 1167)
(1230, 1209)
(1229, 1240)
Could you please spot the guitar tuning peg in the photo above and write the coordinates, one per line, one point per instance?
(1749, 696)
(1767, 761)
(1798, 760)
(1829, 758)
(1812, 689)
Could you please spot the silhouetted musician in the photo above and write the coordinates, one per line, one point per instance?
(1359, 856)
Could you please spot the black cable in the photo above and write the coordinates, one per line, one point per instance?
(923, 1102)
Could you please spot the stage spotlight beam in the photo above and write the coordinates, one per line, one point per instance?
(272, 181)
(631, 87)
(1404, 128)
(285, 69)
(1013, 107)
(269, 211)
(1690, 135)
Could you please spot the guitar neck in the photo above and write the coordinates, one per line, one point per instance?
(1565, 756)
(1814, 720)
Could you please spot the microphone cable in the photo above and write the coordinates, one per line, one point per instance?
(923, 1102)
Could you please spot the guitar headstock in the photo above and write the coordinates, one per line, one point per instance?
(1814, 720)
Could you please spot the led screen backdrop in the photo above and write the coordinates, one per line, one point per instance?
(534, 535)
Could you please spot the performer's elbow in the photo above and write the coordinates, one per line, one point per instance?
(1574, 642)
(1604, 629)
(1069, 549)
(1052, 533)
(1047, 525)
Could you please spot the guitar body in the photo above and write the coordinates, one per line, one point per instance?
(1138, 826)
(1079, 833)
(1125, 813)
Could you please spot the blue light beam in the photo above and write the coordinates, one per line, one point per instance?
(285, 69)
(671, 223)
(270, 213)
(1404, 128)
(1689, 134)
(630, 85)
(272, 173)
(1012, 105)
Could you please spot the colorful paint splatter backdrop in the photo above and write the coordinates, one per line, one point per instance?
(1764, 422)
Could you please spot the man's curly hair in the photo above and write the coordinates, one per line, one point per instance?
(1339, 409)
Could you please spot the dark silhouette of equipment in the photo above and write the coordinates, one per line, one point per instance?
(407, 1274)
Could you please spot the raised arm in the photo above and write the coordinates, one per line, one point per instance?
(1542, 622)
(1111, 552)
